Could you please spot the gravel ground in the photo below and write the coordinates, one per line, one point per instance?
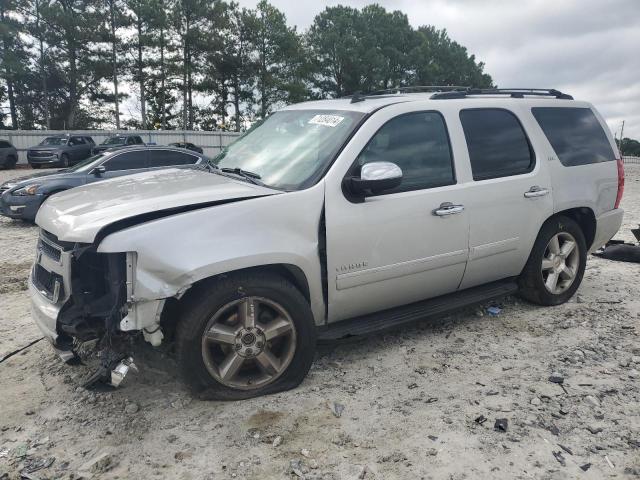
(407, 404)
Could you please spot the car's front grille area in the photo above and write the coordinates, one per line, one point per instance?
(48, 283)
(39, 153)
(52, 239)
(49, 250)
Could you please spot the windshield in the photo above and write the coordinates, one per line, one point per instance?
(86, 165)
(54, 141)
(291, 149)
(115, 141)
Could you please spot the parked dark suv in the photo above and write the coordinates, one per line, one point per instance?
(8, 155)
(21, 198)
(188, 146)
(60, 151)
(118, 141)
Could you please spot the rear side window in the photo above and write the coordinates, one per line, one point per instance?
(166, 158)
(498, 146)
(575, 135)
(419, 144)
(127, 161)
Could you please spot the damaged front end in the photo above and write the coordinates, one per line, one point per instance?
(80, 295)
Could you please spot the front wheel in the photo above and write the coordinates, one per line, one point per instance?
(556, 265)
(245, 335)
(64, 160)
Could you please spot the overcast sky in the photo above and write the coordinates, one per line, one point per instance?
(587, 48)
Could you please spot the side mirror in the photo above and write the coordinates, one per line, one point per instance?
(376, 177)
(99, 170)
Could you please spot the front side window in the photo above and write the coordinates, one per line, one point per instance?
(77, 141)
(127, 161)
(419, 144)
(575, 135)
(291, 149)
(87, 164)
(497, 144)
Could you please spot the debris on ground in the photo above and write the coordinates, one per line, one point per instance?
(501, 425)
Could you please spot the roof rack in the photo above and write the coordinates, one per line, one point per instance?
(360, 97)
(512, 92)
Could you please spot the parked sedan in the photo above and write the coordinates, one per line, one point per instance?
(60, 151)
(118, 141)
(8, 155)
(188, 146)
(22, 197)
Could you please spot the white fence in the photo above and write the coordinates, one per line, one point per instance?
(631, 160)
(211, 142)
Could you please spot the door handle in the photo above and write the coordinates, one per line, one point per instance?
(448, 208)
(536, 191)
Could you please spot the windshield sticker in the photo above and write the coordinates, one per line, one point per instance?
(326, 120)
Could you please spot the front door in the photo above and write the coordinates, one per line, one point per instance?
(404, 245)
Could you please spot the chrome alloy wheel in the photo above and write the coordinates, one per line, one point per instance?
(560, 263)
(249, 343)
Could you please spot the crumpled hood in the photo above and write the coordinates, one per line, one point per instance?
(77, 215)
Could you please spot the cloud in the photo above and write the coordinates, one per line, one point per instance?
(588, 48)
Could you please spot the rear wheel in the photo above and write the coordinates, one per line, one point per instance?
(245, 335)
(556, 265)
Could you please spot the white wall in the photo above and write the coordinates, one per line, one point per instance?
(211, 142)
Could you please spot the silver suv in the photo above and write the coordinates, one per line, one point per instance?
(60, 150)
(332, 218)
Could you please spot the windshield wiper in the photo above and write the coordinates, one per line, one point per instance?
(250, 176)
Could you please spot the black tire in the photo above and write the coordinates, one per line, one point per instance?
(531, 281)
(10, 163)
(64, 160)
(212, 296)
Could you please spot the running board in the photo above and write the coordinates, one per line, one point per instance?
(405, 314)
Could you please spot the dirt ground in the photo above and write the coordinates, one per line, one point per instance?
(408, 404)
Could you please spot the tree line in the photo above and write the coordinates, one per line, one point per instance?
(629, 146)
(203, 64)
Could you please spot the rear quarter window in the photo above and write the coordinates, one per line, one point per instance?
(575, 134)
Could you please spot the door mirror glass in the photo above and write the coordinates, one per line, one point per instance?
(376, 177)
(99, 170)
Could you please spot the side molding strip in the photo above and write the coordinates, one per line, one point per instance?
(387, 272)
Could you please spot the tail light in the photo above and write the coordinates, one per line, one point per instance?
(620, 182)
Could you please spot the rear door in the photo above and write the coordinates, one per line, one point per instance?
(393, 248)
(510, 195)
(81, 147)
